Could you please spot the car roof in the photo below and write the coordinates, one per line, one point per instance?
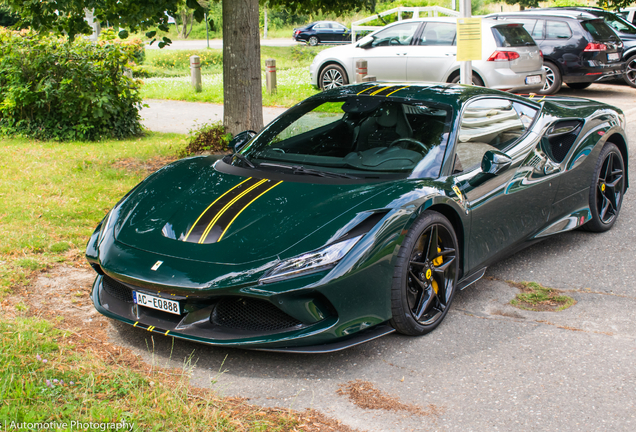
(454, 95)
(559, 13)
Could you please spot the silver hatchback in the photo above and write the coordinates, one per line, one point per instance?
(425, 49)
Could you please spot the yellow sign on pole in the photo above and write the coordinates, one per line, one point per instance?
(468, 39)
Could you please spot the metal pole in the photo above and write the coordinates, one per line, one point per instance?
(207, 33)
(265, 20)
(465, 67)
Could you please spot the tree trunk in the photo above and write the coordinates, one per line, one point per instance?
(242, 93)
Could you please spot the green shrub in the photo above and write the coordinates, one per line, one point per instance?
(133, 45)
(53, 89)
(180, 59)
(209, 137)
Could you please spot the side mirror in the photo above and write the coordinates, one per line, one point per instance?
(495, 162)
(240, 139)
(366, 44)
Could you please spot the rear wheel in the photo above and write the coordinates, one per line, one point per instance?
(606, 191)
(476, 80)
(332, 76)
(425, 275)
(313, 41)
(630, 71)
(552, 79)
(579, 86)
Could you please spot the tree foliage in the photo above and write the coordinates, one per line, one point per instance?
(524, 4)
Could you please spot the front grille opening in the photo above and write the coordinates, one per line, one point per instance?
(117, 289)
(241, 313)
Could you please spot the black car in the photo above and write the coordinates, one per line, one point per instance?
(627, 32)
(578, 48)
(328, 32)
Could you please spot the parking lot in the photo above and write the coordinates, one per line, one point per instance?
(489, 366)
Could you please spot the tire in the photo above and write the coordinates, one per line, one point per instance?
(420, 301)
(476, 80)
(579, 86)
(313, 41)
(630, 71)
(607, 189)
(553, 79)
(332, 76)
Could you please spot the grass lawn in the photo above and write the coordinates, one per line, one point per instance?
(58, 368)
(171, 75)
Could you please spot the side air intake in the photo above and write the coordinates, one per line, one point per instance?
(560, 137)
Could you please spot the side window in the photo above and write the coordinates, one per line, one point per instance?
(538, 31)
(557, 30)
(320, 27)
(489, 124)
(401, 34)
(438, 34)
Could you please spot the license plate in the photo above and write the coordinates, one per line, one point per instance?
(612, 56)
(533, 79)
(158, 303)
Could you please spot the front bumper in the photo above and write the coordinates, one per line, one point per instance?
(199, 324)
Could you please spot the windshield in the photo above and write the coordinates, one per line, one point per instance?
(359, 136)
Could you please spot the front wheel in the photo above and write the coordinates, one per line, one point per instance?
(606, 191)
(476, 80)
(425, 275)
(630, 71)
(332, 76)
(553, 80)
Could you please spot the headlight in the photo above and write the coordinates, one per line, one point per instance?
(310, 262)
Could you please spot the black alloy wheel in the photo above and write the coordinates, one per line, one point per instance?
(553, 80)
(425, 276)
(332, 76)
(606, 192)
(630, 71)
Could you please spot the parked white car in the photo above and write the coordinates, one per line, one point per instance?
(425, 49)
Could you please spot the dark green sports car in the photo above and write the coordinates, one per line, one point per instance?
(358, 212)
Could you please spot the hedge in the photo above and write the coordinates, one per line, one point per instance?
(52, 89)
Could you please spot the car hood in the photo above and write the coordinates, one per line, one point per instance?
(274, 219)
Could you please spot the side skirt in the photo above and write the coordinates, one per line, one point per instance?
(469, 280)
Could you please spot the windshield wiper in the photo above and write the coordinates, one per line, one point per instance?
(242, 158)
(299, 169)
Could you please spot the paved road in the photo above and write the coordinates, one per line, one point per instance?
(190, 44)
(180, 117)
(488, 366)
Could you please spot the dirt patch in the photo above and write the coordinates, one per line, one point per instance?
(366, 396)
(146, 166)
(536, 297)
(62, 295)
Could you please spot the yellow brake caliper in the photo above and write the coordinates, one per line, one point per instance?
(437, 262)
